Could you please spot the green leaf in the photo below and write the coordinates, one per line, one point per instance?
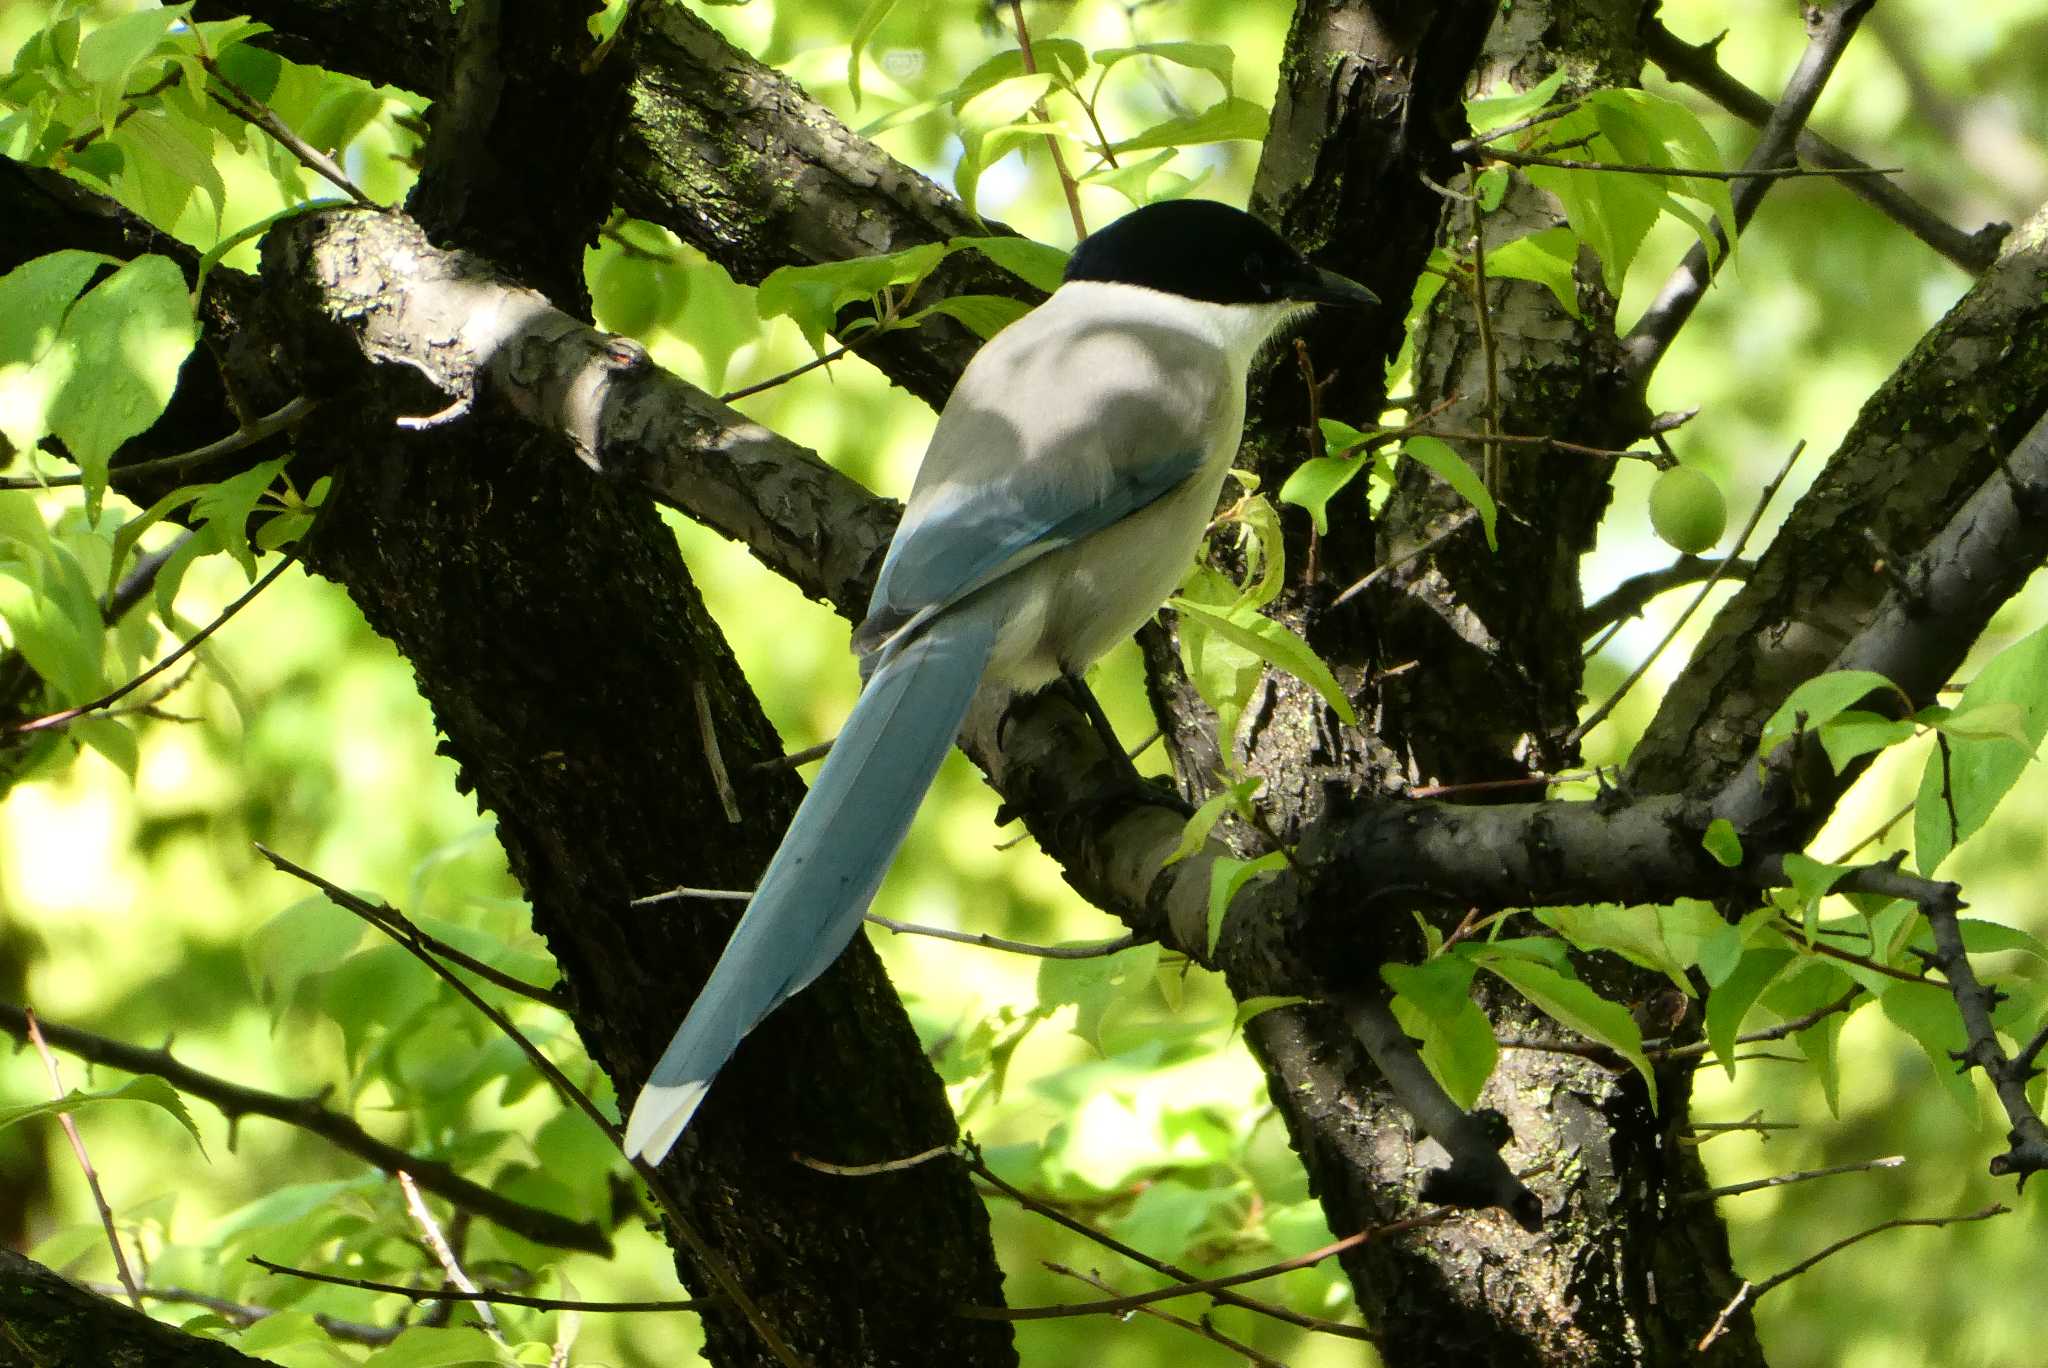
(1003, 103)
(1610, 213)
(1226, 877)
(1856, 732)
(1647, 128)
(1276, 645)
(183, 152)
(1320, 479)
(1488, 112)
(1574, 1005)
(310, 937)
(1035, 263)
(1667, 939)
(1813, 703)
(112, 738)
(1224, 673)
(1732, 998)
(1224, 121)
(34, 364)
(863, 29)
(986, 314)
(812, 296)
(223, 510)
(1999, 721)
(112, 51)
(1433, 1003)
(1265, 551)
(1214, 58)
(429, 1346)
(1927, 1013)
(1095, 985)
(1259, 1006)
(141, 1088)
(1453, 470)
(1811, 881)
(1722, 843)
(138, 325)
(1060, 60)
(1234, 798)
(1548, 258)
(1979, 773)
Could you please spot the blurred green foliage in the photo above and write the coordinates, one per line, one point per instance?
(132, 902)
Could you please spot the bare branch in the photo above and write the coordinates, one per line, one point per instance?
(1699, 67)
(234, 1101)
(1829, 28)
(451, 1294)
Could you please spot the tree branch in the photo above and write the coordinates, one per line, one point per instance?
(235, 1101)
(1829, 30)
(1699, 67)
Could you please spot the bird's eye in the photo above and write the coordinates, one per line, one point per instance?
(1258, 271)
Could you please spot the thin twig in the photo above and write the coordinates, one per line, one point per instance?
(250, 433)
(92, 1177)
(1093, 950)
(1457, 525)
(395, 925)
(234, 1101)
(1782, 1179)
(1769, 1033)
(707, 734)
(681, 891)
(795, 758)
(1719, 572)
(707, 1258)
(444, 1254)
(734, 396)
(870, 1170)
(1628, 599)
(251, 110)
(1492, 460)
(1751, 1291)
(1877, 834)
(1480, 154)
(1201, 1327)
(1703, 1131)
(449, 1294)
(979, 1167)
(1541, 116)
(1052, 143)
(185, 648)
(1119, 1305)
(243, 1314)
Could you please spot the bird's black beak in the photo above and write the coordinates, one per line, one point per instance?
(1327, 287)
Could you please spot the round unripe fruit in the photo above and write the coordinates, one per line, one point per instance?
(1687, 510)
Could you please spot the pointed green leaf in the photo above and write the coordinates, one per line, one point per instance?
(1549, 258)
(1227, 877)
(1722, 843)
(1577, 1007)
(1453, 470)
(1224, 121)
(1276, 645)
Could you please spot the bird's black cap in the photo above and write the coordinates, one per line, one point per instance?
(1208, 251)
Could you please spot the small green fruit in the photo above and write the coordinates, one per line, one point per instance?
(1687, 510)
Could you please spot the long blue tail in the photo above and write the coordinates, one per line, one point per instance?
(816, 889)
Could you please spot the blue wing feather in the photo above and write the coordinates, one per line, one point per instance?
(956, 546)
(816, 889)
